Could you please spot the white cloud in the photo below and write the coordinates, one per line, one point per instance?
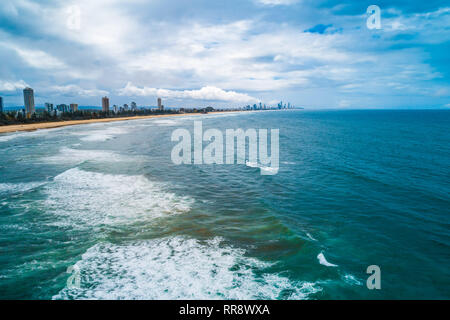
(39, 59)
(232, 56)
(442, 92)
(102, 25)
(428, 24)
(436, 13)
(74, 90)
(206, 93)
(9, 8)
(12, 86)
(118, 42)
(34, 58)
(277, 2)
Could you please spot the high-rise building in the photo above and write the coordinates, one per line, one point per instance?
(49, 107)
(73, 107)
(160, 105)
(133, 106)
(28, 98)
(105, 104)
(62, 107)
(1, 105)
(125, 107)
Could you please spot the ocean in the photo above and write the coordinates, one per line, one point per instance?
(354, 189)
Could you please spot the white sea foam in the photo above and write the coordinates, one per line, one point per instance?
(225, 114)
(263, 169)
(14, 227)
(269, 170)
(77, 156)
(251, 164)
(30, 134)
(101, 135)
(323, 260)
(82, 199)
(8, 188)
(351, 279)
(166, 122)
(310, 236)
(179, 268)
(8, 137)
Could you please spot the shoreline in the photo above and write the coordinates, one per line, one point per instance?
(57, 124)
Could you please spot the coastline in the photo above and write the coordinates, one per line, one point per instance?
(51, 125)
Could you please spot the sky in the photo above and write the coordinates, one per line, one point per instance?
(312, 53)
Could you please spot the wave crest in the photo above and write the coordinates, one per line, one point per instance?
(179, 268)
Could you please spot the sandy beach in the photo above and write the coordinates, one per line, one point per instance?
(49, 125)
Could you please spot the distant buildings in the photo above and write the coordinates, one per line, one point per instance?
(49, 107)
(62, 108)
(28, 98)
(73, 107)
(105, 104)
(284, 106)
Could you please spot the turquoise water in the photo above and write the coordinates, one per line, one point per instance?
(355, 188)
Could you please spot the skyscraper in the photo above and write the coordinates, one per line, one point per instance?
(73, 107)
(49, 107)
(160, 107)
(62, 107)
(133, 106)
(1, 105)
(28, 98)
(105, 104)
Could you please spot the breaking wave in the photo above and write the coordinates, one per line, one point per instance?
(179, 268)
(101, 135)
(323, 261)
(82, 198)
(9, 188)
(77, 156)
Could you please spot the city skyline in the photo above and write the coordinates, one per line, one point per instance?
(315, 54)
(28, 96)
(64, 112)
(105, 104)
